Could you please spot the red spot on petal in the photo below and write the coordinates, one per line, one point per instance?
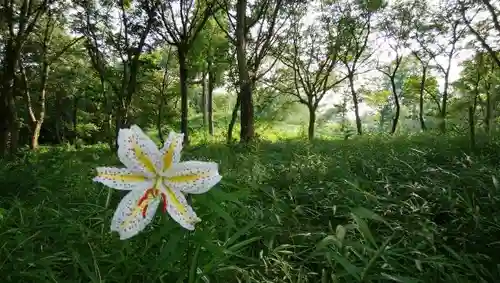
(144, 196)
(164, 198)
(144, 210)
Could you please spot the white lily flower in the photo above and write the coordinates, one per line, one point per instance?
(154, 176)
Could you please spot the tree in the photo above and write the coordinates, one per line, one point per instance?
(210, 56)
(379, 100)
(107, 43)
(181, 29)
(358, 24)
(50, 36)
(20, 19)
(251, 51)
(418, 13)
(311, 61)
(485, 29)
(443, 24)
(478, 81)
(396, 28)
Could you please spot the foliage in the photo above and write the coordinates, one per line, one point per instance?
(351, 205)
(403, 210)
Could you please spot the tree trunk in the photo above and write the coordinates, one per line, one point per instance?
(234, 116)
(161, 101)
(159, 118)
(247, 130)
(184, 92)
(472, 123)
(59, 121)
(356, 106)
(121, 121)
(204, 108)
(442, 122)
(421, 99)
(210, 92)
(36, 134)
(488, 115)
(13, 127)
(398, 107)
(312, 121)
(8, 115)
(75, 119)
(41, 105)
(4, 125)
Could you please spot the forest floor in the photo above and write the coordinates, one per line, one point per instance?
(420, 209)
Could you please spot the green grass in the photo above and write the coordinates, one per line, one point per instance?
(424, 209)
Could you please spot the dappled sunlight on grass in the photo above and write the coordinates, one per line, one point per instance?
(372, 209)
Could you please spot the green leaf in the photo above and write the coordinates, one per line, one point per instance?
(402, 279)
(353, 270)
(364, 230)
(240, 232)
(220, 212)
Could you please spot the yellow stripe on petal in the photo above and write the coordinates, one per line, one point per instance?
(179, 209)
(169, 155)
(185, 178)
(143, 158)
(171, 151)
(175, 202)
(192, 177)
(123, 178)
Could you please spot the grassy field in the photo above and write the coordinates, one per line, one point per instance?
(421, 209)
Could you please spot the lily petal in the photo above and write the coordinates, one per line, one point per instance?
(122, 179)
(179, 209)
(137, 151)
(133, 214)
(171, 151)
(192, 177)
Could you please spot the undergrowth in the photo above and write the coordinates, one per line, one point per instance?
(421, 209)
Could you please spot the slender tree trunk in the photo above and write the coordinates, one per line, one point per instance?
(204, 97)
(159, 118)
(41, 105)
(444, 103)
(247, 130)
(211, 85)
(472, 123)
(8, 116)
(183, 72)
(36, 135)
(234, 116)
(109, 125)
(382, 119)
(488, 115)
(398, 107)
(442, 122)
(356, 104)
(121, 120)
(13, 126)
(4, 125)
(75, 120)
(161, 102)
(59, 122)
(421, 99)
(312, 122)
